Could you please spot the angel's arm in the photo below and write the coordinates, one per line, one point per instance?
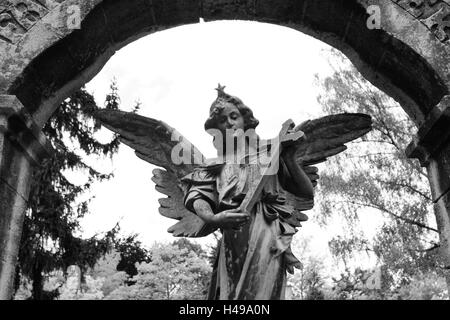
(203, 210)
(326, 137)
(299, 183)
(225, 219)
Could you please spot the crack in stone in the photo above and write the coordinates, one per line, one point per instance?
(442, 195)
(13, 189)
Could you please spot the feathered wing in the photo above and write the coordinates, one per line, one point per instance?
(325, 137)
(154, 141)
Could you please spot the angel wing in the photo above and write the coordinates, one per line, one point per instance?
(325, 137)
(154, 142)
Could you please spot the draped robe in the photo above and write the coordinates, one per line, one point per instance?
(251, 262)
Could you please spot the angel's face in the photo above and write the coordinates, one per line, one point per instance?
(230, 118)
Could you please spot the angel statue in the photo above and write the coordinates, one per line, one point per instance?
(257, 209)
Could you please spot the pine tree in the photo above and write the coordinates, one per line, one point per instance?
(49, 239)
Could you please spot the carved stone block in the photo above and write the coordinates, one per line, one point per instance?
(435, 14)
(18, 16)
(439, 23)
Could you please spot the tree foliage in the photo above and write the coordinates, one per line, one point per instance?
(131, 252)
(102, 279)
(56, 205)
(375, 177)
(308, 282)
(174, 273)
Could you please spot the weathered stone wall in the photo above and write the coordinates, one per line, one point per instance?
(44, 59)
(22, 145)
(50, 60)
(27, 28)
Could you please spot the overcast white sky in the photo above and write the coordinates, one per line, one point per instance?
(173, 73)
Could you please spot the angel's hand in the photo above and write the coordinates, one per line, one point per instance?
(293, 141)
(290, 147)
(230, 219)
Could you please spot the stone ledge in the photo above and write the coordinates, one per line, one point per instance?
(433, 134)
(19, 127)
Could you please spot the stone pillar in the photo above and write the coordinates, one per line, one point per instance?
(432, 148)
(22, 145)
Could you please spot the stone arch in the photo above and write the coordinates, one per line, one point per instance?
(44, 59)
(405, 58)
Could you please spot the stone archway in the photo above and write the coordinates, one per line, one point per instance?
(50, 48)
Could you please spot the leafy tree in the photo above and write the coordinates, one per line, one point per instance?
(344, 247)
(99, 281)
(203, 281)
(352, 285)
(173, 273)
(184, 243)
(56, 205)
(423, 286)
(375, 177)
(131, 252)
(106, 270)
(308, 282)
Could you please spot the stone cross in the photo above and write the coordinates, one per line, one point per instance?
(258, 185)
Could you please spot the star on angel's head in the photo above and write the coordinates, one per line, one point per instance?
(221, 90)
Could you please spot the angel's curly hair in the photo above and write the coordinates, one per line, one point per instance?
(250, 122)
